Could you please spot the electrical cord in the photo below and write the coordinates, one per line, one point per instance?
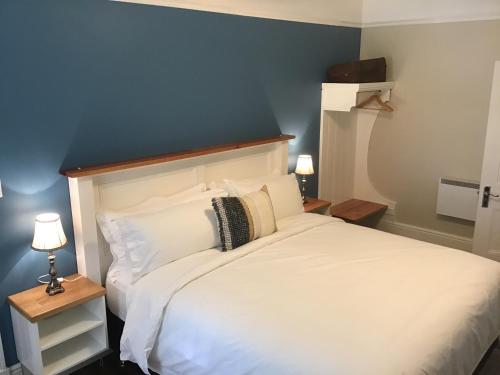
(61, 279)
(41, 281)
(70, 281)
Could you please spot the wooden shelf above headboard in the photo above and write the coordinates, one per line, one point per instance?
(142, 162)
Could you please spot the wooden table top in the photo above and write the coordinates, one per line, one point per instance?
(35, 304)
(355, 209)
(314, 204)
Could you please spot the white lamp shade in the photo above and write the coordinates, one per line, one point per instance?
(49, 233)
(304, 165)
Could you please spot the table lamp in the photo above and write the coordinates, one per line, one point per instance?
(304, 168)
(49, 236)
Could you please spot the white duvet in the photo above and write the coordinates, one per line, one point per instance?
(318, 297)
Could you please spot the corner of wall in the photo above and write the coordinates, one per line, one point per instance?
(390, 224)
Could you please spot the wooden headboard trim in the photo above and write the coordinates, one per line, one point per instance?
(158, 159)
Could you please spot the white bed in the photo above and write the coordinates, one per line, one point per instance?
(318, 296)
(116, 295)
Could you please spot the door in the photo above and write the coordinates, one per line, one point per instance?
(487, 230)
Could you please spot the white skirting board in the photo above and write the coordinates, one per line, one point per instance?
(389, 224)
(17, 369)
(3, 369)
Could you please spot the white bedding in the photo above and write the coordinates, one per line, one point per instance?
(319, 296)
(117, 287)
(116, 295)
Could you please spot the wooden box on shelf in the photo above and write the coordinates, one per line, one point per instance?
(57, 333)
(317, 206)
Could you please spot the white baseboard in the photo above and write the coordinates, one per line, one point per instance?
(389, 224)
(16, 369)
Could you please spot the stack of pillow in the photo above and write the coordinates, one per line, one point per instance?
(254, 206)
(163, 229)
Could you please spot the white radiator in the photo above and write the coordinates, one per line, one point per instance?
(457, 198)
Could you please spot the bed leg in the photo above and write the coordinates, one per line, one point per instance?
(122, 364)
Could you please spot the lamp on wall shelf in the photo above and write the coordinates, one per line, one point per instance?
(49, 236)
(304, 168)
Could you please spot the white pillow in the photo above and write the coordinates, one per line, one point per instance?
(149, 205)
(216, 185)
(237, 188)
(149, 240)
(107, 222)
(283, 190)
(285, 196)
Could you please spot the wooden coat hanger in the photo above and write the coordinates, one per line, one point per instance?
(383, 105)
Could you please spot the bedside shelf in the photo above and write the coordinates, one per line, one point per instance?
(71, 352)
(66, 325)
(57, 334)
(315, 205)
(356, 210)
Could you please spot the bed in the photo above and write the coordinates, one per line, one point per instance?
(317, 296)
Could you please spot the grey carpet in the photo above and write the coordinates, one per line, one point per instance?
(491, 365)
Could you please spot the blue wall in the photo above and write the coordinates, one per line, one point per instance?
(86, 82)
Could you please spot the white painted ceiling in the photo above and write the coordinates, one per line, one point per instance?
(357, 13)
(329, 12)
(387, 12)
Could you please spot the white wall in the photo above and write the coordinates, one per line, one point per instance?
(393, 12)
(442, 75)
(329, 12)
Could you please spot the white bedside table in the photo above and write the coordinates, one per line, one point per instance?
(57, 333)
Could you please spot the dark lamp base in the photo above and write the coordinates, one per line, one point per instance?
(54, 287)
(303, 188)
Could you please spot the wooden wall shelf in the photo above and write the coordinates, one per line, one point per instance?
(343, 96)
(158, 159)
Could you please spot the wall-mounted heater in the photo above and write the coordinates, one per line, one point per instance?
(457, 198)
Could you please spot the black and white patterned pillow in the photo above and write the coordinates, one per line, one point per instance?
(243, 219)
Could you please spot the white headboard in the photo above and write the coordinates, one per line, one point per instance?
(122, 186)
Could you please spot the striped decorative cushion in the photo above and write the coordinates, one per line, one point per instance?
(244, 219)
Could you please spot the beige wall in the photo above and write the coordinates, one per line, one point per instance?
(443, 76)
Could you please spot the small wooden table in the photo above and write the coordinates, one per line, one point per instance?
(357, 211)
(58, 334)
(315, 205)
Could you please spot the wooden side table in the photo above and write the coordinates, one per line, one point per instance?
(55, 334)
(357, 211)
(315, 205)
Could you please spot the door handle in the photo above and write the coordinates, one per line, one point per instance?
(486, 196)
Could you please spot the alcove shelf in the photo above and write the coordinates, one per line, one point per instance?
(344, 141)
(344, 96)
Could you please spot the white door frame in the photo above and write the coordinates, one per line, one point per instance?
(486, 240)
